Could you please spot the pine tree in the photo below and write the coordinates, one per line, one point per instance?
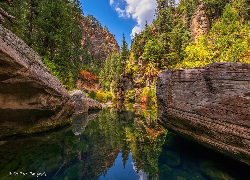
(124, 53)
(164, 12)
(165, 24)
(190, 7)
(59, 35)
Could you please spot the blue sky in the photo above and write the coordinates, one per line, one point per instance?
(121, 16)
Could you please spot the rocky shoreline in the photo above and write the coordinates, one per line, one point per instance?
(209, 105)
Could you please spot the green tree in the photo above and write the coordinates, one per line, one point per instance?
(165, 22)
(32, 6)
(59, 35)
(215, 7)
(164, 13)
(189, 9)
(18, 10)
(124, 52)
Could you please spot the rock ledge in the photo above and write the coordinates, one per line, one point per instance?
(29, 93)
(210, 105)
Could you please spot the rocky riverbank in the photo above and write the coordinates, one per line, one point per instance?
(210, 105)
(29, 93)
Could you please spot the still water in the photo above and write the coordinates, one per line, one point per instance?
(113, 145)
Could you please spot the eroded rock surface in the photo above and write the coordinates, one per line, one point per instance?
(199, 23)
(210, 105)
(84, 104)
(99, 42)
(28, 90)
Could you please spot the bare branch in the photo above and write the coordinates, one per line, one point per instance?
(5, 14)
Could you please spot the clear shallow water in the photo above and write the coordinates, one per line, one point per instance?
(113, 145)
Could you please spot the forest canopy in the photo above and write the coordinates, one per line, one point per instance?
(53, 29)
(168, 43)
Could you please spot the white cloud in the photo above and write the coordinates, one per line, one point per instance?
(111, 2)
(140, 10)
(121, 13)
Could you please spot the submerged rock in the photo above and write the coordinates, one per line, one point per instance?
(172, 158)
(29, 93)
(210, 105)
(209, 168)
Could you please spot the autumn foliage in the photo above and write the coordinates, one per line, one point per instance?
(153, 133)
(88, 76)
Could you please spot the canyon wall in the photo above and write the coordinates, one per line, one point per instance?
(29, 93)
(210, 105)
(98, 41)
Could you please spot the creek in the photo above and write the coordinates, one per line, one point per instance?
(113, 145)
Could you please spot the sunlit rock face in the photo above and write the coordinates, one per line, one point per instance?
(210, 105)
(199, 23)
(28, 90)
(99, 42)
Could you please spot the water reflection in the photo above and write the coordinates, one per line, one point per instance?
(113, 145)
(182, 159)
(80, 121)
(124, 172)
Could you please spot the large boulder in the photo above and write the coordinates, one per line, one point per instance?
(79, 99)
(210, 105)
(84, 104)
(29, 93)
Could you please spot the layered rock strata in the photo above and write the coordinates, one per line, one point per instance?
(29, 93)
(210, 105)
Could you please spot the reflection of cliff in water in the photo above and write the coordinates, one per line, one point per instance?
(87, 155)
(59, 153)
(184, 159)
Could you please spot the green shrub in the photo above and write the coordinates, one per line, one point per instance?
(100, 96)
(92, 95)
(51, 65)
(130, 96)
(148, 96)
(108, 96)
(153, 98)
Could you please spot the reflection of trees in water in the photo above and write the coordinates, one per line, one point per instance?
(145, 146)
(63, 155)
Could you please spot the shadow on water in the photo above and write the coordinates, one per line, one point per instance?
(113, 144)
(184, 159)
